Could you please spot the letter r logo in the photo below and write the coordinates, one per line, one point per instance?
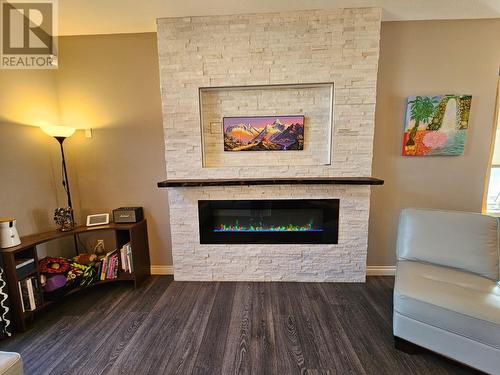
(27, 27)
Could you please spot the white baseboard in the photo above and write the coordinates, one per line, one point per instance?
(370, 270)
(380, 270)
(162, 270)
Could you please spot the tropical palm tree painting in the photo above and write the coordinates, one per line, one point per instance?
(436, 125)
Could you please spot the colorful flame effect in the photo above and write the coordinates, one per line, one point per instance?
(262, 228)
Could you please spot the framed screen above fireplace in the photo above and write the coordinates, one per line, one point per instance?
(276, 221)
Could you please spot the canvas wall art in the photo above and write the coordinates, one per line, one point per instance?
(436, 125)
(264, 133)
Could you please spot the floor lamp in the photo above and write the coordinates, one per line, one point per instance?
(61, 133)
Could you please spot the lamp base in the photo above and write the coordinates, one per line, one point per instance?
(63, 217)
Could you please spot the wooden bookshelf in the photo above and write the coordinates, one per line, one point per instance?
(135, 233)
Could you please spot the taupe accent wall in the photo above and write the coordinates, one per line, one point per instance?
(431, 57)
(30, 171)
(109, 83)
(27, 183)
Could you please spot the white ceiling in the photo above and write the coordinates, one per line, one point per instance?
(79, 17)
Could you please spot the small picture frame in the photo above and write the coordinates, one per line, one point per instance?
(97, 219)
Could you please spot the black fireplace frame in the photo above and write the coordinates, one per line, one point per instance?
(329, 235)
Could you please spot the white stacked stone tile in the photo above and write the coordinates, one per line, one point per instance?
(257, 262)
(339, 46)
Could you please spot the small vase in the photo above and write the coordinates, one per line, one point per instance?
(63, 217)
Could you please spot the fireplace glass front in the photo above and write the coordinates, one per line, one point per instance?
(300, 221)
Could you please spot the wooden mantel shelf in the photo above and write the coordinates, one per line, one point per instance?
(272, 181)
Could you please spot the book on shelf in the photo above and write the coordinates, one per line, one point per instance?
(24, 265)
(112, 262)
(31, 295)
(21, 295)
(29, 290)
(104, 264)
(22, 262)
(37, 289)
(99, 270)
(126, 258)
(108, 269)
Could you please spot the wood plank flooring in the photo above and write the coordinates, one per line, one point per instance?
(170, 327)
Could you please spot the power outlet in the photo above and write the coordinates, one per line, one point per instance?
(99, 247)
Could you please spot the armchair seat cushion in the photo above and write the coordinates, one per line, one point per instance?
(459, 302)
(10, 364)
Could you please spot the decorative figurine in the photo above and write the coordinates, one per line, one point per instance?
(63, 217)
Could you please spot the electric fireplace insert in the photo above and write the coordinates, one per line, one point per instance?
(299, 221)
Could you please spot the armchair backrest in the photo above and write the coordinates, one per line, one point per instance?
(462, 240)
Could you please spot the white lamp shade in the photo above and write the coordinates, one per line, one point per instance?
(58, 131)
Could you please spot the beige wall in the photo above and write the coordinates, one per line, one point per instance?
(27, 182)
(30, 179)
(108, 83)
(28, 189)
(435, 57)
(111, 83)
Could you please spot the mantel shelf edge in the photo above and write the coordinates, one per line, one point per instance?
(271, 181)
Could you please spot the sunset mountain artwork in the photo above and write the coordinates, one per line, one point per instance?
(264, 133)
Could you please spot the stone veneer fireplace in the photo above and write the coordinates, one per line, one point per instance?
(322, 64)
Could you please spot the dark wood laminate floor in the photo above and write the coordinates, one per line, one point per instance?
(170, 327)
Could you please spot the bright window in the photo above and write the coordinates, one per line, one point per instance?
(493, 197)
(493, 200)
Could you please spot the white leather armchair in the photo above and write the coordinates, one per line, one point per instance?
(10, 364)
(447, 289)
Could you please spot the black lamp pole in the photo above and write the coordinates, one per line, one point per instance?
(66, 186)
(65, 180)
